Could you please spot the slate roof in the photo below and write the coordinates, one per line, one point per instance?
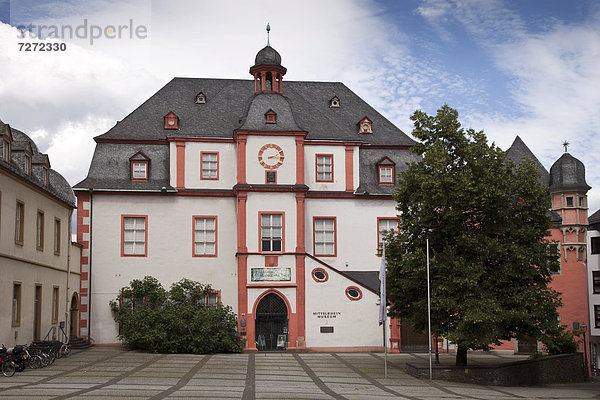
(369, 279)
(566, 174)
(594, 221)
(519, 151)
(231, 104)
(226, 109)
(110, 168)
(58, 186)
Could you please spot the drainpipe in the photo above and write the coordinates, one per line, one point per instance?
(89, 320)
(67, 302)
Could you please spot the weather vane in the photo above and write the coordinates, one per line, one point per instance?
(566, 144)
(268, 32)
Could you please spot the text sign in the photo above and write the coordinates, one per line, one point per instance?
(271, 274)
(326, 314)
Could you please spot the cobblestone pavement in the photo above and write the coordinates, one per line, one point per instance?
(112, 373)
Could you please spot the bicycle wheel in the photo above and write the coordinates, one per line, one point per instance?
(65, 350)
(8, 368)
(35, 362)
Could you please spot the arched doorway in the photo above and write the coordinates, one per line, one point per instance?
(271, 323)
(74, 316)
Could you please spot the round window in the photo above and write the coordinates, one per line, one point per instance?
(353, 293)
(319, 275)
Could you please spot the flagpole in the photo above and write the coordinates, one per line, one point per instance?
(429, 312)
(383, 305)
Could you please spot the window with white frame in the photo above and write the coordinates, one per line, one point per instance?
(139, 170)
(386, 174)
(271, 232)
(324, 167)
(384, 227)
(595, 245)
(205, 236)
(324, 230)
(596, 316)
(210, 165)
(134, 236)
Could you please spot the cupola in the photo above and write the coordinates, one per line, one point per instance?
(568, 174)
(267, 70)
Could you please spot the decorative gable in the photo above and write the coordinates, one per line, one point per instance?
(270, 117)
(365, 126)
(200, 98)
(139, 166)
(334, 102)
(41, 167)
(171, 121)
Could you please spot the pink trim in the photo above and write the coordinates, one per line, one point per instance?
(171, 116)
(202, 153)
(260, 214)
(350, 168)
(123, 216)
(378, 230)
(393, 174)
(360, 295)
(317, 168)
(270, 183)
(334, 237)
(139, 162)
(180, 165)
(317, 279)
(299, 160)
(194, 236)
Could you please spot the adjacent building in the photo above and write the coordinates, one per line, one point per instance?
(39, 264)
(593, 253)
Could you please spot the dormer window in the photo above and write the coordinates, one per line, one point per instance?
(28, 164)
(6, 151)
(171, 121)
(270, 117)
(334, 102)
(386, 171)
(200, 98)
(139, 167)
(46, 176)
(365, 126)
(6, 143)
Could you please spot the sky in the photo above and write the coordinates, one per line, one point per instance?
(509, 67)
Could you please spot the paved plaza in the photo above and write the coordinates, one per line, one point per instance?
(113, 373)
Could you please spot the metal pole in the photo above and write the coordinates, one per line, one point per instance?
(429, 312)
(585, 363)
(385, 350)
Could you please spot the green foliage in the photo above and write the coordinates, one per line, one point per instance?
(174, 321)
(486, 222)
(560, 341)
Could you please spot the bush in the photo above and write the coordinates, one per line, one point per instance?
(561, 341)
(174, 321)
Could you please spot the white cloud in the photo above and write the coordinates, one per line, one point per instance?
(554, 78)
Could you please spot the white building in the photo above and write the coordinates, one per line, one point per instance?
(39, 265)
(273, 192)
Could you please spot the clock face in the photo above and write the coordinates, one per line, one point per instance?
(270, 156)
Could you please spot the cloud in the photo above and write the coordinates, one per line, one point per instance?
(553, 75)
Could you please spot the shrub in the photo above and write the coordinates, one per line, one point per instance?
(174, 321)
(561, 341)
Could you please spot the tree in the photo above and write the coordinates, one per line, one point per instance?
(174, 321)
(486, 220)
